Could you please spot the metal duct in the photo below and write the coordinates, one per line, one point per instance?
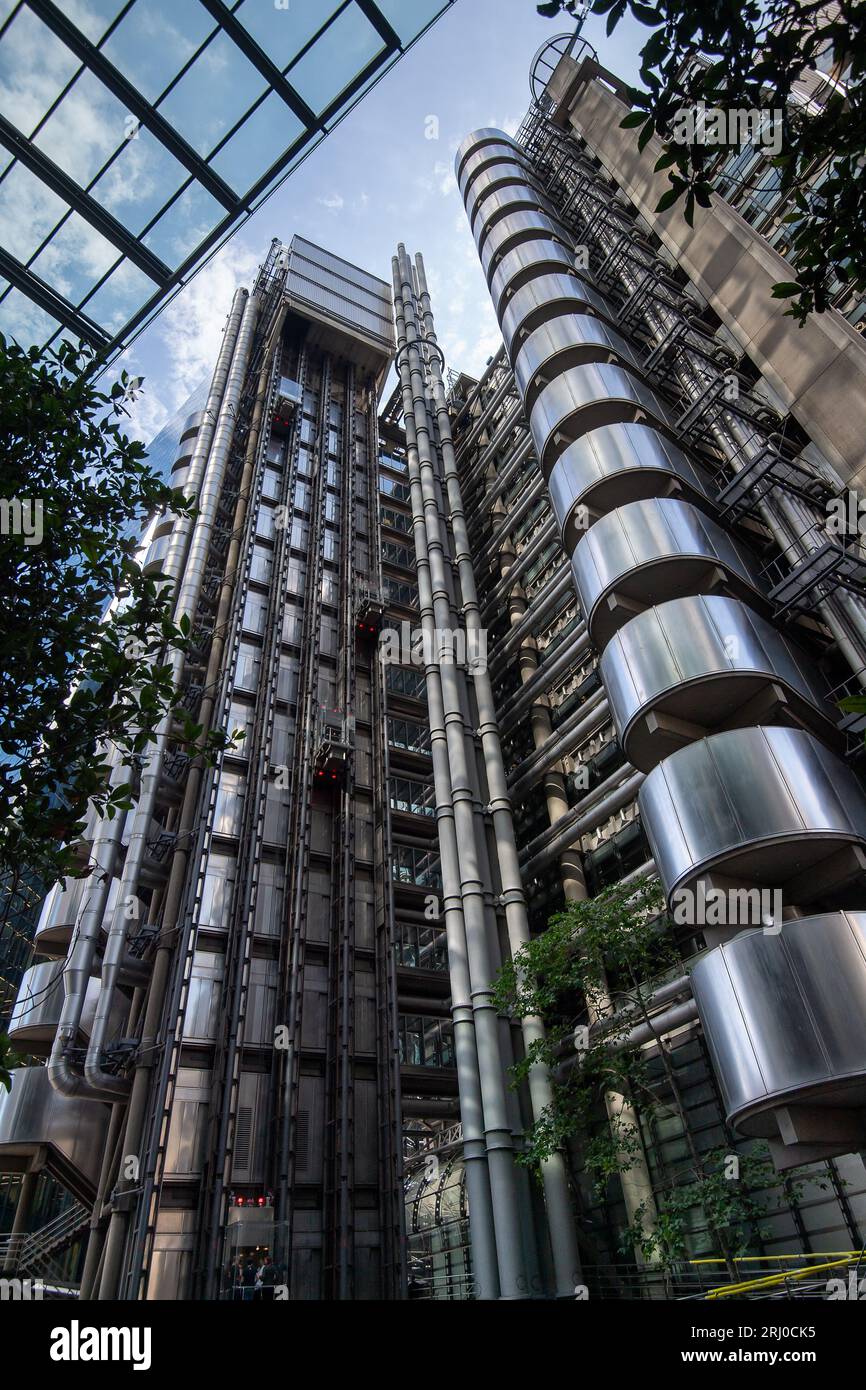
(524, 263)
(567, 341)
(512, 231)
(90, 923)
(784, 1016)
(698, 665)
(495, 176)
(614, 465)
(35, 1120)
(548, 297)
(512, 197)
(100, 1082)
(485, 135)
(553, 1174)
(583, 398)
(766, 807)
(36, 1012)
(496, 153)
(650, 551)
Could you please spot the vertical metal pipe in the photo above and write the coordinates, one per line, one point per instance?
(89, 924)
(430, 564)
(482, 1230)
(21, 1219)
(100, 1081)
(554, 1177)
(141, 1081)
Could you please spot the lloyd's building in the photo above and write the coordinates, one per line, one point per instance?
(295, 1048)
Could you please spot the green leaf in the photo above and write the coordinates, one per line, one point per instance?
(667, 200)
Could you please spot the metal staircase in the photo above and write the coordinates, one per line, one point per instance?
(33, 1254)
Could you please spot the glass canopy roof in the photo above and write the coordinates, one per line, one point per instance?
(135, 137)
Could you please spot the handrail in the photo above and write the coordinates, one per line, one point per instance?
(771, 1280)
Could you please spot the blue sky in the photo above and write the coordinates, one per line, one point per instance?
(378, 179)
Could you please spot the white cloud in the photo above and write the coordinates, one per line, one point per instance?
(187, 336)
(334, 201)
(445, 174)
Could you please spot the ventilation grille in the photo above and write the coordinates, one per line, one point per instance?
(302, 1140)
(243, 1137)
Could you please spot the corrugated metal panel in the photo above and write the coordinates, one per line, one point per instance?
(374, 300)
(341, 307)
(341, 290)
(322, 257)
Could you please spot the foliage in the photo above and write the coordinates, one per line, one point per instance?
(588, 978)
(563, 977)
(9, 1059)
(77, 682)
(854, 704)
(733, 1207)
(752, 53)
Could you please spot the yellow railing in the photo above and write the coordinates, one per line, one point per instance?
(772, 1280)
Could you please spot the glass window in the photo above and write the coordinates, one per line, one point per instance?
(406, 733)
(408, 17)
(261, 564)
(282, 32)
(241, 717)
(397, 554)
(258, 144)
(269, 899)
(426, 1042)
(405, 680)
(28, 211)
(139, 181)
(100, 124)
(394, 487)
(271, 484)
(34, 69)
(93, 17)
(24, 321)
(398, 521)
(155, 39)
(255, 613)
(422, 948)
(75, 258)
(416, 866)
(399, 592)
(266, 523)
(116, 300)
(229, 803)
(346, 47)
(217, 890)
(412, 796)
(190, 106)
(247, 669)
(180, 228)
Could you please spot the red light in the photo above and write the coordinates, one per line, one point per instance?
(261, 1201)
